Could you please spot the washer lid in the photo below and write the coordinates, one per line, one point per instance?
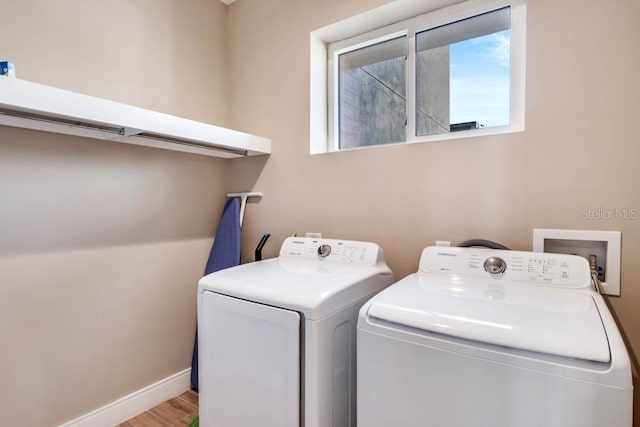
(563, 322)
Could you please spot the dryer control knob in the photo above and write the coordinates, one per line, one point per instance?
(495, 265)
(324, 251)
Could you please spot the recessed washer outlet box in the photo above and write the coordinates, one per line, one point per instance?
(605, 245)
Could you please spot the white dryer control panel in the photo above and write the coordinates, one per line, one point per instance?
(329, 250)
(560, 270)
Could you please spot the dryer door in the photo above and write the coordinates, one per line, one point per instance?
(249, 357)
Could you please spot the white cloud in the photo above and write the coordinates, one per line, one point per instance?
(499, 48)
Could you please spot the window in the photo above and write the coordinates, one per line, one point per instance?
(450, 73)
(372, 90)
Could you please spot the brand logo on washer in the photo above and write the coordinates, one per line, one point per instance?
(446, 254)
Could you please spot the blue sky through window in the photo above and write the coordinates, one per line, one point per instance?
(479, 80)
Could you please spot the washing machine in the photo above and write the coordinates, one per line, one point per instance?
(277, 338)
(492, 338)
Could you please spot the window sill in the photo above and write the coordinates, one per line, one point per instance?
(476, 133)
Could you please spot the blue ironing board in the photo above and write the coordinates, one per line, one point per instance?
(225, 253)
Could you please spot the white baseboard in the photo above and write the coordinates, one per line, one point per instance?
(135, 403)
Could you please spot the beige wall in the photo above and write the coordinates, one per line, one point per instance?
(101, 243)
(580, 148)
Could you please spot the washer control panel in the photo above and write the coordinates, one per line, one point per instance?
(341, 251)
(544, 268)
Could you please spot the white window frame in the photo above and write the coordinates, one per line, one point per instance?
(333, 69)
(409, 27)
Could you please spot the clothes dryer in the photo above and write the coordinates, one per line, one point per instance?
(277, 338)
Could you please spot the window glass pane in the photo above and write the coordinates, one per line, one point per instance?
(463, 74)
(372, 94)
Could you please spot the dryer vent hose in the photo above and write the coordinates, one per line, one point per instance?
(482, 242)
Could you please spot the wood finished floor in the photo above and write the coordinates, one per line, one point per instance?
(179, 411)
